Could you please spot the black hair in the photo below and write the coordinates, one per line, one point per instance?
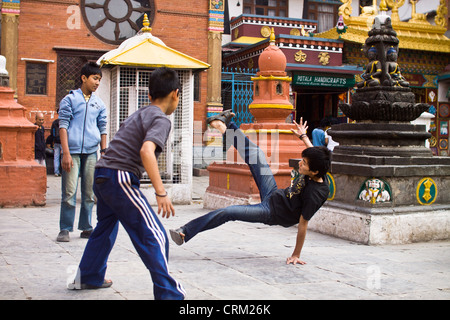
(89, 69)
(319, 159)
(325, 122)
(162, 82)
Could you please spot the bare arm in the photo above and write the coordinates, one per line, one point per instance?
(103, 143)
(301, 234)
(301, 132)
(151, 166)
(67, 162)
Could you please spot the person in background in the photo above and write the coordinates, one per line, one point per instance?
(328, 138)
(39, 139)
(318, 134)
(54, 131)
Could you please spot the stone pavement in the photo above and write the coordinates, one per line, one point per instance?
(237, 261)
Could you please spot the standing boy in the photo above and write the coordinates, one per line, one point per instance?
(82, 123)
(286, 207)
(135, 148)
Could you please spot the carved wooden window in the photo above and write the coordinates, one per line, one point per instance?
(326, 14)
(114, 21)
(273, 8)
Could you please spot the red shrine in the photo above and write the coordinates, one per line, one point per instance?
(23, 180)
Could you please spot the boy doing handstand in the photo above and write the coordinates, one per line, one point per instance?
(286, 207)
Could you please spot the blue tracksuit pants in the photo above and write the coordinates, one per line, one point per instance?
(120, 200)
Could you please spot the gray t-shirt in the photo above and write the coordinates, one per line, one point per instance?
(146, 124)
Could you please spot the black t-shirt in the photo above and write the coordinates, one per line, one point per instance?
(39, 143)
(304, 197)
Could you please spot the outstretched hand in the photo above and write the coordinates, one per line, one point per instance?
(301, 128)
(294, 260)
(165, 206)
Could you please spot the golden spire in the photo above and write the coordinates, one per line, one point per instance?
(383, 6)
(394, 5)
(272, 37)
(146, 24)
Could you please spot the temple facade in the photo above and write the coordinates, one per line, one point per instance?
(325, 57)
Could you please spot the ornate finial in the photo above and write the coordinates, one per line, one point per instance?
(441, 11)
(383, 6)
(146, 24)
(345, 10)
(272, 37)
(394, 5)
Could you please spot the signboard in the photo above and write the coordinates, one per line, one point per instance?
(323, 81)
(36, 78)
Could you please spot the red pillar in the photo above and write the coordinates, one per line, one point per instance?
(23, 182)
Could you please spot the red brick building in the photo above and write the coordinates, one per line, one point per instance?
(54, 38)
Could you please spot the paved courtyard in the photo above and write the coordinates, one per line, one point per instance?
(237, 261)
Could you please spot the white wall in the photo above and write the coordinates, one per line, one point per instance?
(422, 6)
(296, 9)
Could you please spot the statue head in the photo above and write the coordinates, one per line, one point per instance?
(372, 53)
(391, 54)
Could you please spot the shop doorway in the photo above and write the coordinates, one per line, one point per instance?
(316, 104)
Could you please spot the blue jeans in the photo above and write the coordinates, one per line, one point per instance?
(57, 158)
(262, 174)
(83, 167)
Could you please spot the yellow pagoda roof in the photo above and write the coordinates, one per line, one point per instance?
(416, 34)
(146, 50)
(248, 40)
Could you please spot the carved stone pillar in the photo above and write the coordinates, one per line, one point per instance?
(212, 137)
(214, 94)
(10, 38)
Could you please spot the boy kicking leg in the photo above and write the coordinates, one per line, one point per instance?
(287, 207)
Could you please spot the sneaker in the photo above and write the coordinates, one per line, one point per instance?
(84, 286)
(63, 236)
(105, 284)
(177, 236)
(85, 234)
(224, 116)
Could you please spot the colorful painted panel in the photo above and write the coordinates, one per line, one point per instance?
(374, 191)
(426, 192)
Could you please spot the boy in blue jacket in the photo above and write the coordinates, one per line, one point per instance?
(82, 127)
